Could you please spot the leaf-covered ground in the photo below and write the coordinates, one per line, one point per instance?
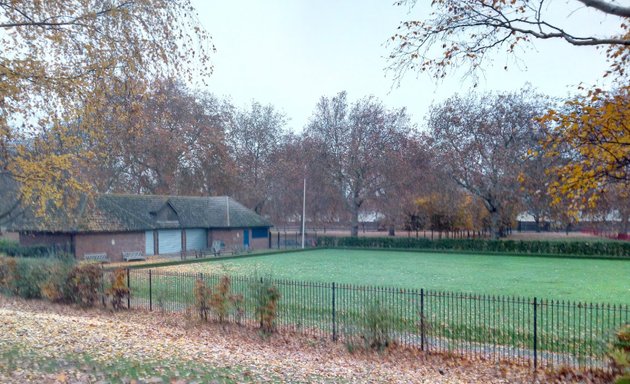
(46, 343)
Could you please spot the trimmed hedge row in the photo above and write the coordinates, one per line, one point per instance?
(534, 247)
(59, 280)
(12, 248)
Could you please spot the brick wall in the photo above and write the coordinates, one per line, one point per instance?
(114, 244)
(231, 237)
(234, 238)
(51, 239)
(261, 243)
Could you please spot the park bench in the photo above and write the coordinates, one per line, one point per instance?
(100, 257)
(135, 255)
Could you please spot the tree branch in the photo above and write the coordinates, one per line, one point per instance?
(606, 7)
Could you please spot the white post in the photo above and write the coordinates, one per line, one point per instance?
(227, 209)
(303, 212)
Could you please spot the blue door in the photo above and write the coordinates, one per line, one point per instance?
(148, 243)
(246, 238)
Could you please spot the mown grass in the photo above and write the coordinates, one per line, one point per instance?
(586, 280)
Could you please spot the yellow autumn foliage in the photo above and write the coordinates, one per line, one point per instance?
(60, 60)
(594, 135)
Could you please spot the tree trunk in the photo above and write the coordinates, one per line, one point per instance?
(494, 223)
(391, 231)
(354, 225)
(625, 224)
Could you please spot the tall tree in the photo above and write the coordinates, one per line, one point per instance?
(170, 141)
(482, 142)
(463, 33)
(355, 140)
(407, 169)
(254, 136)
(56, 55)
(536, 177)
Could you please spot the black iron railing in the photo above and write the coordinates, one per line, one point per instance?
(533, 331)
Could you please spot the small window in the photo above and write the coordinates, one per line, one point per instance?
(258, 233)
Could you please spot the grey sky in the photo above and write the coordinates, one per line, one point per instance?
(290, 53)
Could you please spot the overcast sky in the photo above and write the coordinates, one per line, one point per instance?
(289, 53)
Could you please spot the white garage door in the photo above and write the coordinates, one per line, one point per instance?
(196, 239)
(169, 241)
(148, 243)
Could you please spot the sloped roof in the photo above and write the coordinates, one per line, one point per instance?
(117, 212)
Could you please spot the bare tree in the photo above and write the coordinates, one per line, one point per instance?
(407, 170)
(482, 142)
(254, 136)
(170, 140)
(355, 140)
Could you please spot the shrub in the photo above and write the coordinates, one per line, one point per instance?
(55, 287)
(84, 284)
(222, 301)
(377, 326)
(573, 248)
(118, 291)
(374, 331)
(13, 248)
(202, 297)
(620, 355)
(8, 273)
(218, 300)
(31, 279)
(266, 296)
(28, 279)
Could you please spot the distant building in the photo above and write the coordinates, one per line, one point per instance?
(153, 225)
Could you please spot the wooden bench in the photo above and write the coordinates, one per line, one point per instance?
(135, 255)
(101, 257)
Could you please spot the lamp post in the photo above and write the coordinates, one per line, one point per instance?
(303, 211)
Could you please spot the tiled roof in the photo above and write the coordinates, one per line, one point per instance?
(114, 212)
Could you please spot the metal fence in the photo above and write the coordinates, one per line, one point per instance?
(538, 332)
(291, 239)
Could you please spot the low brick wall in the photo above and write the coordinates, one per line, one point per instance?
(234, 238)
(114, 244)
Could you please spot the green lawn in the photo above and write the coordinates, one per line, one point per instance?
(452, 321)
(592, 280)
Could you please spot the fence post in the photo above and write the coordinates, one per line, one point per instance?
(422, 336)
(260, 292)
(334, 318)
(535, 336)
(128, 287)
(150, 293)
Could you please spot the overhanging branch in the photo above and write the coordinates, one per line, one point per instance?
(607, 7)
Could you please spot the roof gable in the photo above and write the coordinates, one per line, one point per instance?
(166, 214)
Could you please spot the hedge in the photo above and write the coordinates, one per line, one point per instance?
(615, 249)
(13, 248)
